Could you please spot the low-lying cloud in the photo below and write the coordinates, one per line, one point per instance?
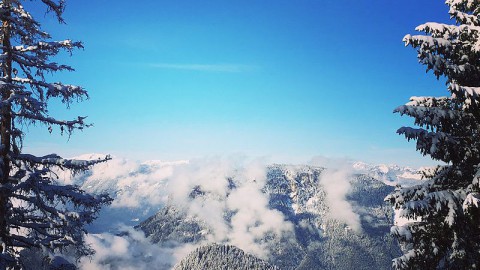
(336, 181)
(226, 184)
(131, 251)
(252, 218)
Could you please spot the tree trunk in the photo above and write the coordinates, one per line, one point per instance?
(5, 132)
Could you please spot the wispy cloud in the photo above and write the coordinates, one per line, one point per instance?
(141, 187)
(335, 180)
(205, 67)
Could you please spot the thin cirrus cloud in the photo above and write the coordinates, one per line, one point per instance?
(205, 67)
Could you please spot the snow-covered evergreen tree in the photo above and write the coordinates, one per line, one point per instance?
(35, 210)
(444, 227)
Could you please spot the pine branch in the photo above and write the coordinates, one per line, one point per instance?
(55, 160)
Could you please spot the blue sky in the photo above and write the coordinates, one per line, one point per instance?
(284, 79)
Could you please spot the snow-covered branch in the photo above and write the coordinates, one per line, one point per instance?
(55, 160)
(37, 212)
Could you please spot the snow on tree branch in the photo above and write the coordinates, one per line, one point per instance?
(55, 160)
(35, 210)
(443, 230)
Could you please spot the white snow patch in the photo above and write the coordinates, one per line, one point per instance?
(391, 175)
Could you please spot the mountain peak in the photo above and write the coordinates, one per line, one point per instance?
(390, 174)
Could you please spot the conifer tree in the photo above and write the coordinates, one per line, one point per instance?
(36, 211)
(443, 231)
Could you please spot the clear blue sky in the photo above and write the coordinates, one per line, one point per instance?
(287, 79)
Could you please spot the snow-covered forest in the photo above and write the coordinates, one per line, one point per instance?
(234, 209)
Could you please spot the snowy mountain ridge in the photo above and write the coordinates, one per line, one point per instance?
(141, 188)
(270, 211)
(322, 215)
(391, 174)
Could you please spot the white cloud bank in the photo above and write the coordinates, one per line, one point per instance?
(132, 251)
(336, 181)
(138, 186)
(252, 218)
